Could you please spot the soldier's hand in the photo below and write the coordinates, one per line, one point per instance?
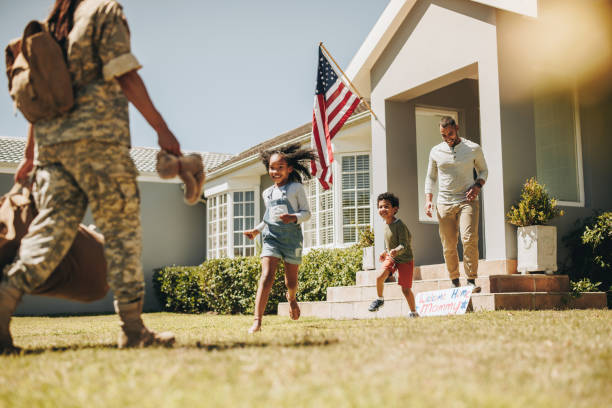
(169, 143)
(23, 171)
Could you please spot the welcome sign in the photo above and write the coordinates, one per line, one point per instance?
(443, 302)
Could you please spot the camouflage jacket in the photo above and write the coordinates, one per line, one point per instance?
(98, 50)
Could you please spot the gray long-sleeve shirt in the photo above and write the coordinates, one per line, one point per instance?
(453, 169)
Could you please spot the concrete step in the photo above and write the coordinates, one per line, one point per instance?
(438, 271)
(488, 284)
(480, 302)
(528, 283)
(393, 290)
(348, 310)
(538, 301)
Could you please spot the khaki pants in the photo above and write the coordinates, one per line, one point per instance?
(453, 219)
(69, 176)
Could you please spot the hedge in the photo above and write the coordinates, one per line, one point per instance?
(229, 285)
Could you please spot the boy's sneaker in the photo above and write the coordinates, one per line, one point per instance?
(376, 304)
(475, 289)
(456, 283)
(412, 315)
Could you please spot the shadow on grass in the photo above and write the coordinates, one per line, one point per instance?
(220, 346)
(231, 345)
(74, 347)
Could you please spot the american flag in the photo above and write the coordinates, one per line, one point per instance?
(333, 105)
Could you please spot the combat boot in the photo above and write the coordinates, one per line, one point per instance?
(133, 331)
(9, 299)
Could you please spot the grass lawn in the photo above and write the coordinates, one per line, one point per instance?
(497, 359)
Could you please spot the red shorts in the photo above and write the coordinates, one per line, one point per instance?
(404, 271)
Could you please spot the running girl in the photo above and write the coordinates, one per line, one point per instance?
(286, 208)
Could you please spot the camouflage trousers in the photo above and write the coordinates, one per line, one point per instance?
(68, 177)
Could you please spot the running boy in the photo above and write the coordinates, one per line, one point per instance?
(397, 255)
(286, 208)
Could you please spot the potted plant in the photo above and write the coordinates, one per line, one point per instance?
(536, 242)
(366, 242)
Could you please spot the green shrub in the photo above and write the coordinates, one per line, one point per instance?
(322, 268)
(589, 247)
(179, 289)
(535, 206)
(584, 285)
(366, 237)
(598, 237)
(229, 285)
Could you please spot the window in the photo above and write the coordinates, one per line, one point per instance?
(217, 226)
(244, 219)
(558, 149)
(355, 196)
(427, 136)
(319, 230)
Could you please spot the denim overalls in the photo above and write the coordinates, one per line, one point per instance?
(281, 240)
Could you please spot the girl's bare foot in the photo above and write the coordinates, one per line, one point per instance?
(294, 308)
(256, 326)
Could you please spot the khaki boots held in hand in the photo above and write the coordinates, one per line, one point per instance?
(9, 299)
(133, 331)
(190, 170)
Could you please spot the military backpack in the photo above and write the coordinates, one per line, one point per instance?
(38, 77)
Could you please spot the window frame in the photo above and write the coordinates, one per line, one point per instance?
(231, 216)
(315, 212)
(338, 213)
(578, 147)
(230, 220)
(217, 221)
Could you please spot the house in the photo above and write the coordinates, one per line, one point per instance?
(233, 192)
(173, 233)
(529, 80)
(493, 67)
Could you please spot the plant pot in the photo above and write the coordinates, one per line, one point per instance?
(537, 249)
(368, 261)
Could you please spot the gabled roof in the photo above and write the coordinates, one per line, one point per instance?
(299, 134)
(11, 153)
(390, 21)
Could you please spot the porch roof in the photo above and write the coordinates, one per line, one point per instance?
(389, 22)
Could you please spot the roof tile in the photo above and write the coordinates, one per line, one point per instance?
(11, 153)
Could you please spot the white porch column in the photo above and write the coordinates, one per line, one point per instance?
(490, 136)
(379, 170)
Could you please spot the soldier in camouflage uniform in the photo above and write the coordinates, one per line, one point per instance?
(83, 158)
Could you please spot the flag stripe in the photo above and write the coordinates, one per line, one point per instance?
(336, 114)
(348, 111)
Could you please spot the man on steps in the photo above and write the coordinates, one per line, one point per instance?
(452, 164)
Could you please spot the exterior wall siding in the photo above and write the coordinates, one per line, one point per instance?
(518, 130)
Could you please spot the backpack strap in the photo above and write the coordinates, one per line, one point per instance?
(33, 27)
(11, 52)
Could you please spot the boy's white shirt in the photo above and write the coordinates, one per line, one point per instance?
(296, 195)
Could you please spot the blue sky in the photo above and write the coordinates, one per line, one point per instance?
(225, 74)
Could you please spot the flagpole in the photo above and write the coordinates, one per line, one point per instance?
(349, 81)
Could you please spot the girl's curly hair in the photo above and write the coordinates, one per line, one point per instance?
(297, 157)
